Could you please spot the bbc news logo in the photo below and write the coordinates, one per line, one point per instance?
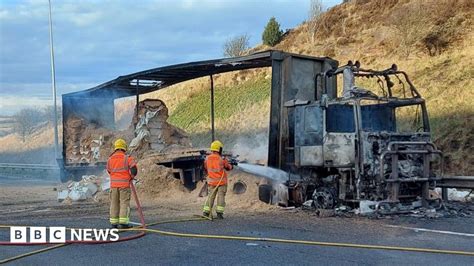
(21, 234)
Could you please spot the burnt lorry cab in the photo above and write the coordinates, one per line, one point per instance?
(356, 146)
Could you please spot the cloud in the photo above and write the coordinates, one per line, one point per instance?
(16, 96)
(10, 104)
(86, 19)
(96, 41)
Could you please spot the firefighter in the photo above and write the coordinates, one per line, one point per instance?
(122, 168)
(216, 167)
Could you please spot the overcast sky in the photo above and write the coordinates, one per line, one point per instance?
(96, 41)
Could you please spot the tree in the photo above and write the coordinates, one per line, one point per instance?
(315, 12)
(272, 33)
(48, 113)
(236, 46)
(26, 120)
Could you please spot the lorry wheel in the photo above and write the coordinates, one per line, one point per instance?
(265, 193)
(239, 187)
(324, 198)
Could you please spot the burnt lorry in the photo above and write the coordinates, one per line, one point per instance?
(338, 141)
(346, 144)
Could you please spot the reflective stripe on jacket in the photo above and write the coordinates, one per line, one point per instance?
(216, 166)
(118, 167)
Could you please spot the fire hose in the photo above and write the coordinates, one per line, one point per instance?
(142, 229)
(138, 235)
(68, 242)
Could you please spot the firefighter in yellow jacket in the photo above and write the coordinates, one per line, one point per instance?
(122, 168)
(216, 167)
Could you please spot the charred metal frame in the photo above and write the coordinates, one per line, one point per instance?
(394, 151)
(188, 168)
(284, 89)
(137, 97)
(212, 110)
(393, 147)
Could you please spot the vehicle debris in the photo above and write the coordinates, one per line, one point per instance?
(459, 195)
(84, 189)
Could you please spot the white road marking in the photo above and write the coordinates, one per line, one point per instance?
(431, 231)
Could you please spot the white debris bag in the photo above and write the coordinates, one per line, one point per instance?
(141, 130)
(366, 207)
(63, 194)
(105, 185)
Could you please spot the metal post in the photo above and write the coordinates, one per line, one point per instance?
(212, 109)
(444, 193)
(425, 190)
(394, 186)
(53, 78)
(138, 96)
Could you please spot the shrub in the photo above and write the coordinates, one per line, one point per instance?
(441, 35)
(409, 25)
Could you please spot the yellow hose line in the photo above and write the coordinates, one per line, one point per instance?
(198, 218)
(306, 242)
(243, 238)
(31, 253)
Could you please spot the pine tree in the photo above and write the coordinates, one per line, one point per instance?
(272, 33)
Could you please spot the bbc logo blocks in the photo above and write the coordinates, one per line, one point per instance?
(20, 234)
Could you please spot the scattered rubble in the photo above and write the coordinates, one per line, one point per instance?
(152, 131)
(85, 189)
(459, 205)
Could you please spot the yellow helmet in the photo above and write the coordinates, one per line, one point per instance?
(120, 144)
(216, 146)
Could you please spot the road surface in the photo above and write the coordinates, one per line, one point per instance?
(167, 250)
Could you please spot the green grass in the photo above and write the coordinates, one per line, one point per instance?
(193, 114)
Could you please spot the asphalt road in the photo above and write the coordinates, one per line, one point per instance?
(36, 206)
(168, 250)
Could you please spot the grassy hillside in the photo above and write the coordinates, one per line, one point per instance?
(193, 114)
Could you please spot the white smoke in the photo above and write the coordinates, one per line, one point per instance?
(124, 110)
(253, 149)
